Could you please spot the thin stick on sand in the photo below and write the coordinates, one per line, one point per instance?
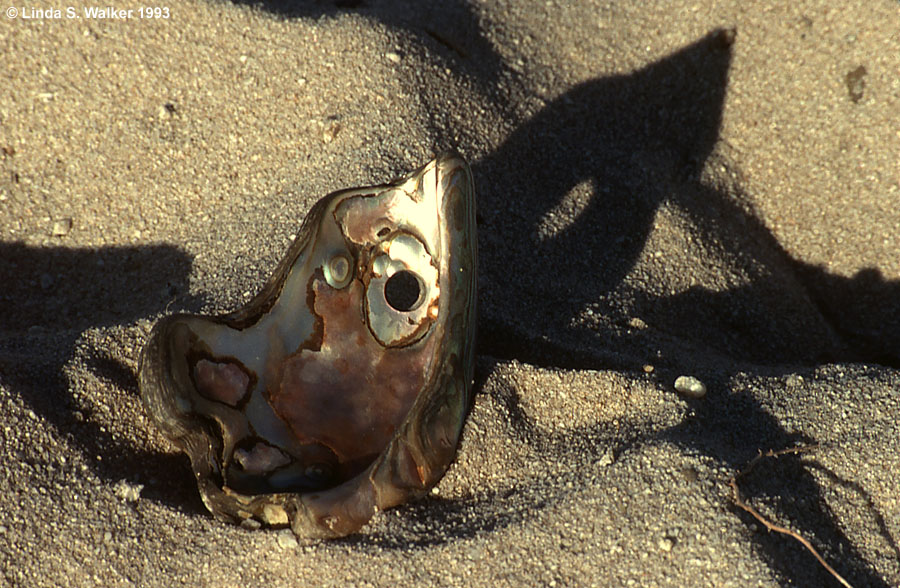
(738, 500)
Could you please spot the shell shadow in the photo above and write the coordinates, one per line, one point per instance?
(628, 146)
(50, 296)
(612, 153)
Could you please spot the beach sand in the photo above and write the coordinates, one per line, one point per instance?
(665, 189)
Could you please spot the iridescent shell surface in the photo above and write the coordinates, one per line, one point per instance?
(342, 388)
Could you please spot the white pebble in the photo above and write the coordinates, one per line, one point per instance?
(286, 539)
(690, 386)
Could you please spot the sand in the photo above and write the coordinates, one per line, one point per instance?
(666, 189)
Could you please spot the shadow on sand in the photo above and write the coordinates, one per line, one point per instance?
(50, 295)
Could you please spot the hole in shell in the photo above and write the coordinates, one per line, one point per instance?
(403, 291)
(384, 231)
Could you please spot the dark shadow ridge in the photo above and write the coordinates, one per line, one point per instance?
(50, 296)
(864, 310)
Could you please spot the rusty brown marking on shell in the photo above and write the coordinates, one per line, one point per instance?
(342, 388)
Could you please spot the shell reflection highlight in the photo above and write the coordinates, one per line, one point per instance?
(341, 388)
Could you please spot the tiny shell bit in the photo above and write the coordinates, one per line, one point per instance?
(341, 389)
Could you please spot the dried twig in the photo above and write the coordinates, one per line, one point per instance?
(739, 501)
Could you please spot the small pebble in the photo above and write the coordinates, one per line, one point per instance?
(637, 323)
(61, 227)
(286, 539)
(331, 132)
(856, 83)
(275, 515)
(666, 543)
(690, 386)
(165, 111)
(795, 380)
(690, 474)
(393, 57)
(607, 458)
(128, 491)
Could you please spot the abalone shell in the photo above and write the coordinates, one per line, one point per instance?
(341, 389)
